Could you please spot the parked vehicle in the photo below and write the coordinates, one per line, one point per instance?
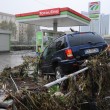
(67, 53)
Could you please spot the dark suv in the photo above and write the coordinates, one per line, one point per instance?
(66, 53)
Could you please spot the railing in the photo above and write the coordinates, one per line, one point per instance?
(66, 77)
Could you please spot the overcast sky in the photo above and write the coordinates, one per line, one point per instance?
(21, 6)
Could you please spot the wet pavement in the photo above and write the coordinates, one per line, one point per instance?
(13, 58)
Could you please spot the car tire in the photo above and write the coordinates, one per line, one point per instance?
(58, 72)
(63, 84)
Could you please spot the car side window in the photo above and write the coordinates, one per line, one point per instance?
(60, 43)
(51, 49)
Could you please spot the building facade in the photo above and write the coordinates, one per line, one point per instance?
(10, 18)
(4, 40)
(100, 25)
(21, 28)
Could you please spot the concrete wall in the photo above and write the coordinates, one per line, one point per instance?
(4, 41)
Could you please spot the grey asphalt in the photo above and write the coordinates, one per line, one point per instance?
(8, 60)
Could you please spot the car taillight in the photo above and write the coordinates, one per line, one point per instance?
(69, 54)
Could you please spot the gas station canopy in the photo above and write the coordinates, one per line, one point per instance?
(55, 17)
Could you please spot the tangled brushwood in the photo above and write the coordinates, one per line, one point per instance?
(90, 89)
(100, 71)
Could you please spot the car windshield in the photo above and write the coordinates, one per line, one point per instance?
(84, 38)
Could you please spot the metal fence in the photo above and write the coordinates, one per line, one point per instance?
(65, 77)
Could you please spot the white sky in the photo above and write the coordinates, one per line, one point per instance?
(20, 6)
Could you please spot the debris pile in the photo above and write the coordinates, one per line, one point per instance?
(90, 89)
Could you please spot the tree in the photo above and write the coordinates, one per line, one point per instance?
(30, 33)
(4, 25)
(11, 26)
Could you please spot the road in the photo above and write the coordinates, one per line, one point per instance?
(13, 58)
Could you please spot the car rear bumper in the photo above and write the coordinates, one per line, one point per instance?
(70, 65)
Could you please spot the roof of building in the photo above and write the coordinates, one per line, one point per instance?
(7, 14)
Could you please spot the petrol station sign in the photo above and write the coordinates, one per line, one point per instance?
(49, 12)
(94, 7)
(94, 10)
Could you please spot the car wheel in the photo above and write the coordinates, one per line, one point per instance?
(63, 84)
(58, 72)
(40, 72)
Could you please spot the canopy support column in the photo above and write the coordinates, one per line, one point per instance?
(55, 24)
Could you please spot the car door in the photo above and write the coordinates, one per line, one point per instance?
(46, 62)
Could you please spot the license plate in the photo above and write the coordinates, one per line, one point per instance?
(89, 51)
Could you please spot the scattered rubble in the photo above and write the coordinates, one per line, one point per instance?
(22, 90)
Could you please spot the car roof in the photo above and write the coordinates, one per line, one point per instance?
(74, 33)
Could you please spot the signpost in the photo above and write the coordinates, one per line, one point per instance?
(94, 14)
(94, 10)
(94, 7)
(39, 40)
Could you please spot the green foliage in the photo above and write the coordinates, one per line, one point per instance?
(4, 25)
(30, 33)
(11, 26)
(54, 89)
